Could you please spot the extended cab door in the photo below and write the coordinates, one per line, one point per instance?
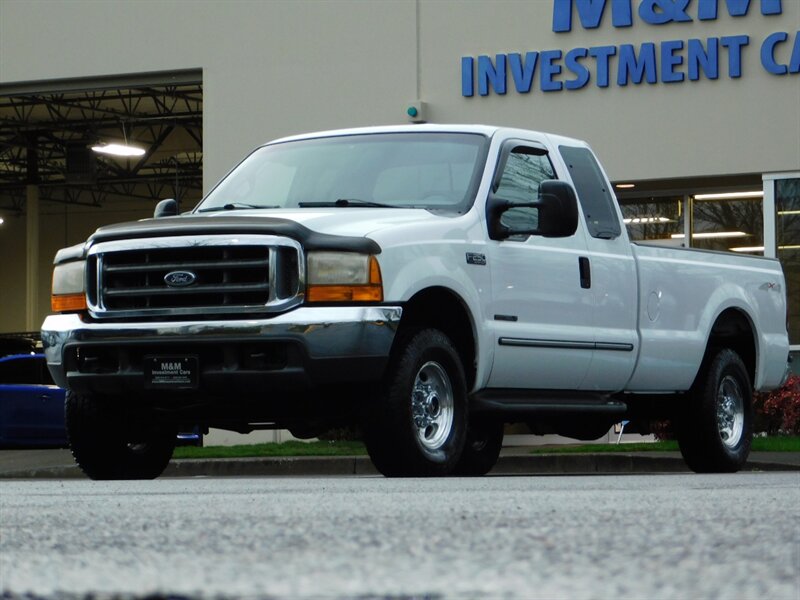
(540, 314)
(610, 273)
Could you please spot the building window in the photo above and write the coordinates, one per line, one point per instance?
(728, 222)
(787, 234)
(655, 220)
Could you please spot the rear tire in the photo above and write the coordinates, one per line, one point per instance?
(106, 446)
(418, 425)
(482, 448)
(715, 430)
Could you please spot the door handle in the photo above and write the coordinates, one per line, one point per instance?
(585, 270)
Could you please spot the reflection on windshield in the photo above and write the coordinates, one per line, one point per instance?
(435, 171)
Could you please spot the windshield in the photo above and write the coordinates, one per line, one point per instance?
(435, 171)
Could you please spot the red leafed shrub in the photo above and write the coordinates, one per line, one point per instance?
(778, 411)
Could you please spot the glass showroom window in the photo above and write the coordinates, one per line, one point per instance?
(657, 220)
(787, 233)
(729, 222)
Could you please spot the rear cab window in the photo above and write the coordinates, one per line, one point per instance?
(593, 193)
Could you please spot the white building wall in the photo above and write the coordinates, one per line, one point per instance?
(279, 67)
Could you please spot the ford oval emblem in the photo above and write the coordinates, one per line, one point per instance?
(179, 278)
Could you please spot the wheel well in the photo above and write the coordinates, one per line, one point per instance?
(733, 330)
(441, 308)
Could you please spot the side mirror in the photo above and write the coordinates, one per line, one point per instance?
(557, 212)
(558, 217)
(166, 208)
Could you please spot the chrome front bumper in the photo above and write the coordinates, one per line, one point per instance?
(339, 337)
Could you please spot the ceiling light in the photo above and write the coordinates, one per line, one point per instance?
(761, 248)
(1, 220)
(712, 234)
(784, 213)
(637, 220)
(730, 195)
(625, 186)
(119, 150)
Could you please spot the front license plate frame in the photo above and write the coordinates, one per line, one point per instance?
(171, 372)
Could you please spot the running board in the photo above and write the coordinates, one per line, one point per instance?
(544, 402)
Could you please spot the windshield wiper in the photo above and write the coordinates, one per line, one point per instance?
(236, 206)
(344, 202)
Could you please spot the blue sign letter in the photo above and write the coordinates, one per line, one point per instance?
(658, 12)
(669, 61)
(702, 59)
(523, 71)
(794, 64)
(590, 13)
(547, 70)
(602, 54)
(707, 9)
(768, 53)
(467, 76)
(636, 69)
(734, 44)
(489, 76)
(581, 72)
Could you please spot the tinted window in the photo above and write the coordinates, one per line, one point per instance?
(593, 193)
(524, 170)
(25, 370)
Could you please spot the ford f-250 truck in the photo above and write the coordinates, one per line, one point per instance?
(428, 283)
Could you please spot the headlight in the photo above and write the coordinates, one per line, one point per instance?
(343, 277)
(69, 293)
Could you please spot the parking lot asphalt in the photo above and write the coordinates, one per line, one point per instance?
(58, 464)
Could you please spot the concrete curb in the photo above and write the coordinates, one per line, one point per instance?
(510, 464)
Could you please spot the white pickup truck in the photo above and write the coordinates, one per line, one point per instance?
(427, 283)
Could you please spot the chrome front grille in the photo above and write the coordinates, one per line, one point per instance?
(194, 275)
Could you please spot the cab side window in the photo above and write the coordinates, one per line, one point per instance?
(523, 172)
(593, 194)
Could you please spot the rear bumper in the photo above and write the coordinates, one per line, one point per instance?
(301, 349)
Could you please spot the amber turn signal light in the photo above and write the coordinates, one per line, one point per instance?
(68, 302)
(372, 291)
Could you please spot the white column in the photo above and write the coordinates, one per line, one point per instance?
(32, 318)
(770, 239)
(688, 220)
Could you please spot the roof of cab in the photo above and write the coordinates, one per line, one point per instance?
(487, 130)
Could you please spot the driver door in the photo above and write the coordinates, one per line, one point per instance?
(539, 312)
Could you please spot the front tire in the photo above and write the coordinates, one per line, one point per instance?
(418, 426)
(106, 445)
(716, 429)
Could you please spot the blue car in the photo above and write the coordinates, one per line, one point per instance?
(31, 406)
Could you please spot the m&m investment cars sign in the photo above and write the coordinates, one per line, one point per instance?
(671, 61)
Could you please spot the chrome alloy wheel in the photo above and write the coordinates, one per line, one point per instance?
(730, 412)
(432, 405)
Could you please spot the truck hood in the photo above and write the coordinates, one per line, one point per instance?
(347, 229)
(346, 221)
